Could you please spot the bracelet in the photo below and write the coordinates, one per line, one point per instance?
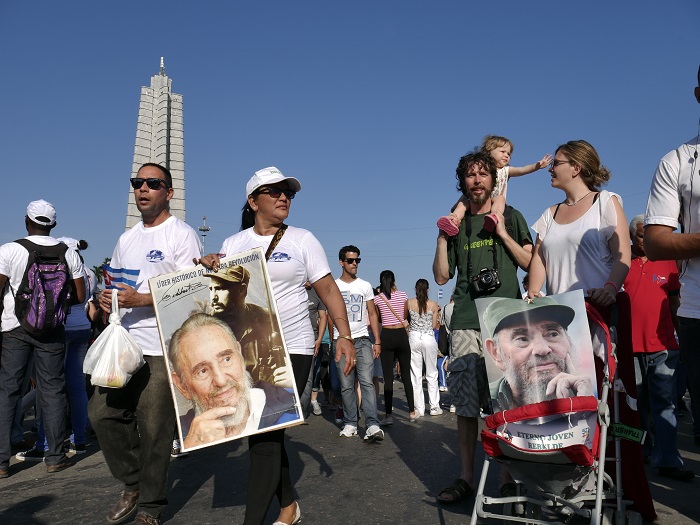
(377, 344)
(347, 337)
(617, 290)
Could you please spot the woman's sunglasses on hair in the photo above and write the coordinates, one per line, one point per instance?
(153, 183)
(276, 193)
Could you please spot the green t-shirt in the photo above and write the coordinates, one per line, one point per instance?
(481, 245)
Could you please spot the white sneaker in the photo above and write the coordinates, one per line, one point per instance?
(374, 433)
(436, 411)
(348, 431)
(452, 409)
(316, 408)
(443, 389)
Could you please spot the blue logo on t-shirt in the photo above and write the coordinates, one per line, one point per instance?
(280, 257)
(155, 256)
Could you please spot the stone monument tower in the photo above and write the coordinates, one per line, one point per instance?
(160, 139)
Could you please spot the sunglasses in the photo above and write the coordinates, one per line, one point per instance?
(153, 184)
(351, 260)
(276, 193)
(556, 163)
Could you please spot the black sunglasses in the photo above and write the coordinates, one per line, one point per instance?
(276, 193)
(351, 260)
(152, 184)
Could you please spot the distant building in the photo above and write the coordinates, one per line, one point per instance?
(160, 139)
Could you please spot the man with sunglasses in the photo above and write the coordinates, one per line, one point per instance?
(486, 264)
(134, 424)
(359, 304)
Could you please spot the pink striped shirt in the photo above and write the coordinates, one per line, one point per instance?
(397, 301)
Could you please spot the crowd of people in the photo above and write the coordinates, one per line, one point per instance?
(345, 337)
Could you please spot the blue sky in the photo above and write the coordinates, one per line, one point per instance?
(369, 104)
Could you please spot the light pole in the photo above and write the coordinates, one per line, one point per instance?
(204, 229)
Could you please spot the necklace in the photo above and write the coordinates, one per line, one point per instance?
(579, 200)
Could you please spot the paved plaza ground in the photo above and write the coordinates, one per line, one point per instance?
(339, 480)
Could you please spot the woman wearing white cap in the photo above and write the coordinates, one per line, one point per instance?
(298, 257)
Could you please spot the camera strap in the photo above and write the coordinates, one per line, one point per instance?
(468, 231)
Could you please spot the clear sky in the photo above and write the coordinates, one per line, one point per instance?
(369, 104)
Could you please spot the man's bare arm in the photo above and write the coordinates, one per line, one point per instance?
(660, 242)
(441, 270)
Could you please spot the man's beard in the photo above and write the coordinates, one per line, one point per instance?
(243, 405)
(480, 199)
(533, 388)
(217, 307)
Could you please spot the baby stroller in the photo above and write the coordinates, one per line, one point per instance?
(561, 476)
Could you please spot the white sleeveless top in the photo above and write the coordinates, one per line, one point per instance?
(577, 255)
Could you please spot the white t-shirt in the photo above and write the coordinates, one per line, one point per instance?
(356, 295)
(13, 262)
(77, 318)
(297, 258)
(673, 183)
(577, 255)
(142, 253)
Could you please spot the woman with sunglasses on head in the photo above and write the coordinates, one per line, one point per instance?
(392, 306)
(582, 242)
(300, 257)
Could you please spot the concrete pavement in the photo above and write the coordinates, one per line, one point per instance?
(339, 480)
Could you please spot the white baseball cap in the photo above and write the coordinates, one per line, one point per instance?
(270, 175)
(42, 212)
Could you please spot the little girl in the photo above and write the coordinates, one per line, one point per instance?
(500, 149)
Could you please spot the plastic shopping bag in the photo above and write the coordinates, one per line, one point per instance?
(114, 356)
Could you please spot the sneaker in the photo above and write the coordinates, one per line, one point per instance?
(452, 409)
(316, 408)
(348, 431)
(443, 389)
(77, 449)
(339, 416)
(373, 434)
(436, 411)
(177, 451)
(30, 455)
(387, 421)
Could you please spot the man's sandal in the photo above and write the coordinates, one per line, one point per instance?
(457, 492)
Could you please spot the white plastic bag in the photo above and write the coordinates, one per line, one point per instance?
(114, 356)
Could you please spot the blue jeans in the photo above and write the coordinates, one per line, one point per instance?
(17, 349)
(688, 337)
(364, 369)
(442, 374)
(76, 348)
(656, 394)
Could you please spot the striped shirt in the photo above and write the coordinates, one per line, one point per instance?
(397, 301)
